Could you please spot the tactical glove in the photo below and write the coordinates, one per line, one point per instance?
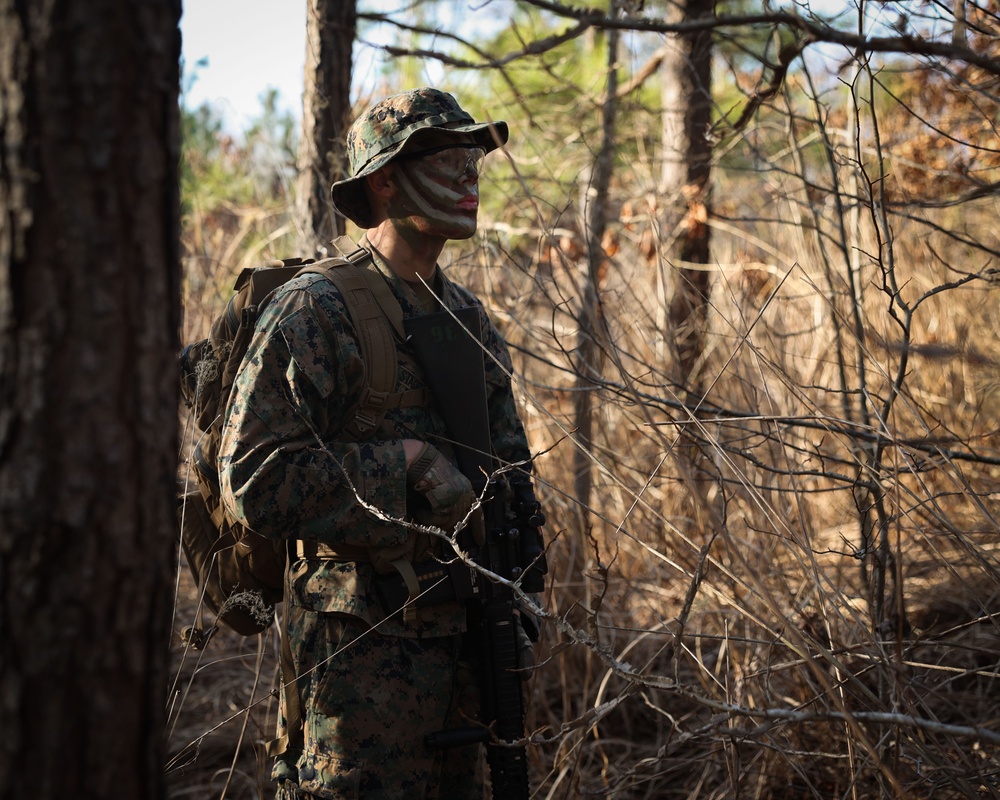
(447, 490)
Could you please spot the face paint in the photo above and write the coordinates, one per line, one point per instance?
(451, 161)
(438, 196)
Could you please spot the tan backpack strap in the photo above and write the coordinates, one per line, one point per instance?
(378, 321)
(362, 259)
(405, 568)
(346, 247)
(378, 346)
(293, 736)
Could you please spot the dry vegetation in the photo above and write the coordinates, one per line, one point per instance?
(786, 583)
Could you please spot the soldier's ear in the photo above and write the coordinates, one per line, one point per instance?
(380, 182)
(380, 188)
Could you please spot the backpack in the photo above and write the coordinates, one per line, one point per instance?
(239, 573)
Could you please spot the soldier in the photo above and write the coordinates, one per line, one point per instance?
(371, 684)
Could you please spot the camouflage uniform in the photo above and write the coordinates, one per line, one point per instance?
(372, 686)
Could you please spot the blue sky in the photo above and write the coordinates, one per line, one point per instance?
(251, 46)
(254, 45)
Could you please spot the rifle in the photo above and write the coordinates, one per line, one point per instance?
(448, 346)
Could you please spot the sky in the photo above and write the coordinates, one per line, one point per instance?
(250, 46)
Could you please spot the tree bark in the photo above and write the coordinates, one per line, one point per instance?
(89, 311)
(687, 154)
(594, 208)
(326, 113)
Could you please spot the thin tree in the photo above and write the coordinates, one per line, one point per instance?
(594, 206)
(326, 110)
(687, 153)
(89, 302)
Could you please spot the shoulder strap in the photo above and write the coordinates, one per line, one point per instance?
(373, 281)
(378, 319)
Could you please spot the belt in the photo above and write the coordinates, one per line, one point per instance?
(310, 548)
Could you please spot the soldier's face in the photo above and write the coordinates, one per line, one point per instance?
(438, 190)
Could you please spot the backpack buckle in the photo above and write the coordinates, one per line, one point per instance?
(375, 399)
(370, 410)
(363, 423)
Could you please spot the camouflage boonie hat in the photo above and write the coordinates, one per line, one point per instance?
(395, 126)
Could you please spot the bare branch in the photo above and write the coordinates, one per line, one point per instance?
(812, 28)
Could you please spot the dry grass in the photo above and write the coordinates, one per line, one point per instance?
(785, 583)
(221, 710)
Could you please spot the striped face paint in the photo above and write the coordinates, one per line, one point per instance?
(438, 196)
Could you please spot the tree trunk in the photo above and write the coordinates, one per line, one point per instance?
(89, 311)
(594, 209)
(326, 112)
(687, 153)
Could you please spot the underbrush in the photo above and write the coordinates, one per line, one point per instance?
(784, 581)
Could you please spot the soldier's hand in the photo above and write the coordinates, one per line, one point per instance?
(447, 490)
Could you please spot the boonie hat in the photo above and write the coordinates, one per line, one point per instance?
(395, 126)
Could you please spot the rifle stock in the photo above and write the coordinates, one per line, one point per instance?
(448, 348)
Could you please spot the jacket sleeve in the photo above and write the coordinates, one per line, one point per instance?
(284, 472)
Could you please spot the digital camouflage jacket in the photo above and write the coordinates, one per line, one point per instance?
(287, 470)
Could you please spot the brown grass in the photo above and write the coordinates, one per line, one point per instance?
(221, 709)
(716, 626)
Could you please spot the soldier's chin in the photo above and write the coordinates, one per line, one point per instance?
(462, 230)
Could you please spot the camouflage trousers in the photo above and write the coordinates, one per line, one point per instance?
(367, 702)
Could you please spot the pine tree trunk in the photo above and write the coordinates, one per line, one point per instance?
(89, 310)
(588, 355)
(326, 111)
(687, 153)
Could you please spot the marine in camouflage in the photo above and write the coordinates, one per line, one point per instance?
(370, 685)
(287, 474)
